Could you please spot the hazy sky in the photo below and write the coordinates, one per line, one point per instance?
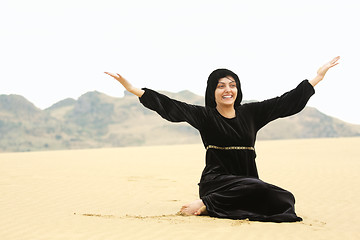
(51, 50)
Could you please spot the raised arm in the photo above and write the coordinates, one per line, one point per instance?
(322, 71)
(130, 88)
(290, 102)
(170, 109)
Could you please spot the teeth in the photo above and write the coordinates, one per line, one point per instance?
(227, 96)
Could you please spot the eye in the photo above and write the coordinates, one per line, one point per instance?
(220, 86)
(233, 85)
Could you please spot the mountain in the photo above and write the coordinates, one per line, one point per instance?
(96, 120)
(309, 123)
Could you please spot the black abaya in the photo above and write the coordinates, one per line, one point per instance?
(230, 186)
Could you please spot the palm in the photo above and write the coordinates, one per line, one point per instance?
(116, 76)
(120, 79)
(322, 70)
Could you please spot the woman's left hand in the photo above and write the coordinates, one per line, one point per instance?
(322, 70)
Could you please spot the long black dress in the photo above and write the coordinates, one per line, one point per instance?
(230, 186)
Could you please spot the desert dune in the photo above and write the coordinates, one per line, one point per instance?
(136, 192)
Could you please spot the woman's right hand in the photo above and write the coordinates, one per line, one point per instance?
(126, 84)
(121, 80)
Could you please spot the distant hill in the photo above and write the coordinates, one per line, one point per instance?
(96, 120)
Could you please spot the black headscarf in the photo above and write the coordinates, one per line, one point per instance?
(213, 82)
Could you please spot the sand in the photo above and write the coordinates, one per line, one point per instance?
(135, 192)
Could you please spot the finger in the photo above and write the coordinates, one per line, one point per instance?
(335, 59)
(111, 74)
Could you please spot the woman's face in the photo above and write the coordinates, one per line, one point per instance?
(226, 91)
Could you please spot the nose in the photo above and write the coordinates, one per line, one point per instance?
(227, 88)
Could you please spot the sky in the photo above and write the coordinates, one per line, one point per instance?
(51, 50)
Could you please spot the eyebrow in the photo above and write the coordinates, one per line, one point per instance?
(229, 82)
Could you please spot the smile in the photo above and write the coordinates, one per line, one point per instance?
(227, 96)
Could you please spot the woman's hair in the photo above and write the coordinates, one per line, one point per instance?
(213, 82)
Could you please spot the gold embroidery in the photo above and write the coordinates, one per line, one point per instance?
(230, 148)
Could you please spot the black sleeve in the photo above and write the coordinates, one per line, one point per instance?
(173, 110)
(286, 105)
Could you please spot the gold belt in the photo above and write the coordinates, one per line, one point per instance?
(230, 148)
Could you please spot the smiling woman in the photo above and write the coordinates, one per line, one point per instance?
(230, 186)
(225, 95)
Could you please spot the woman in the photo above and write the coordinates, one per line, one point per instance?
(230, 186)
